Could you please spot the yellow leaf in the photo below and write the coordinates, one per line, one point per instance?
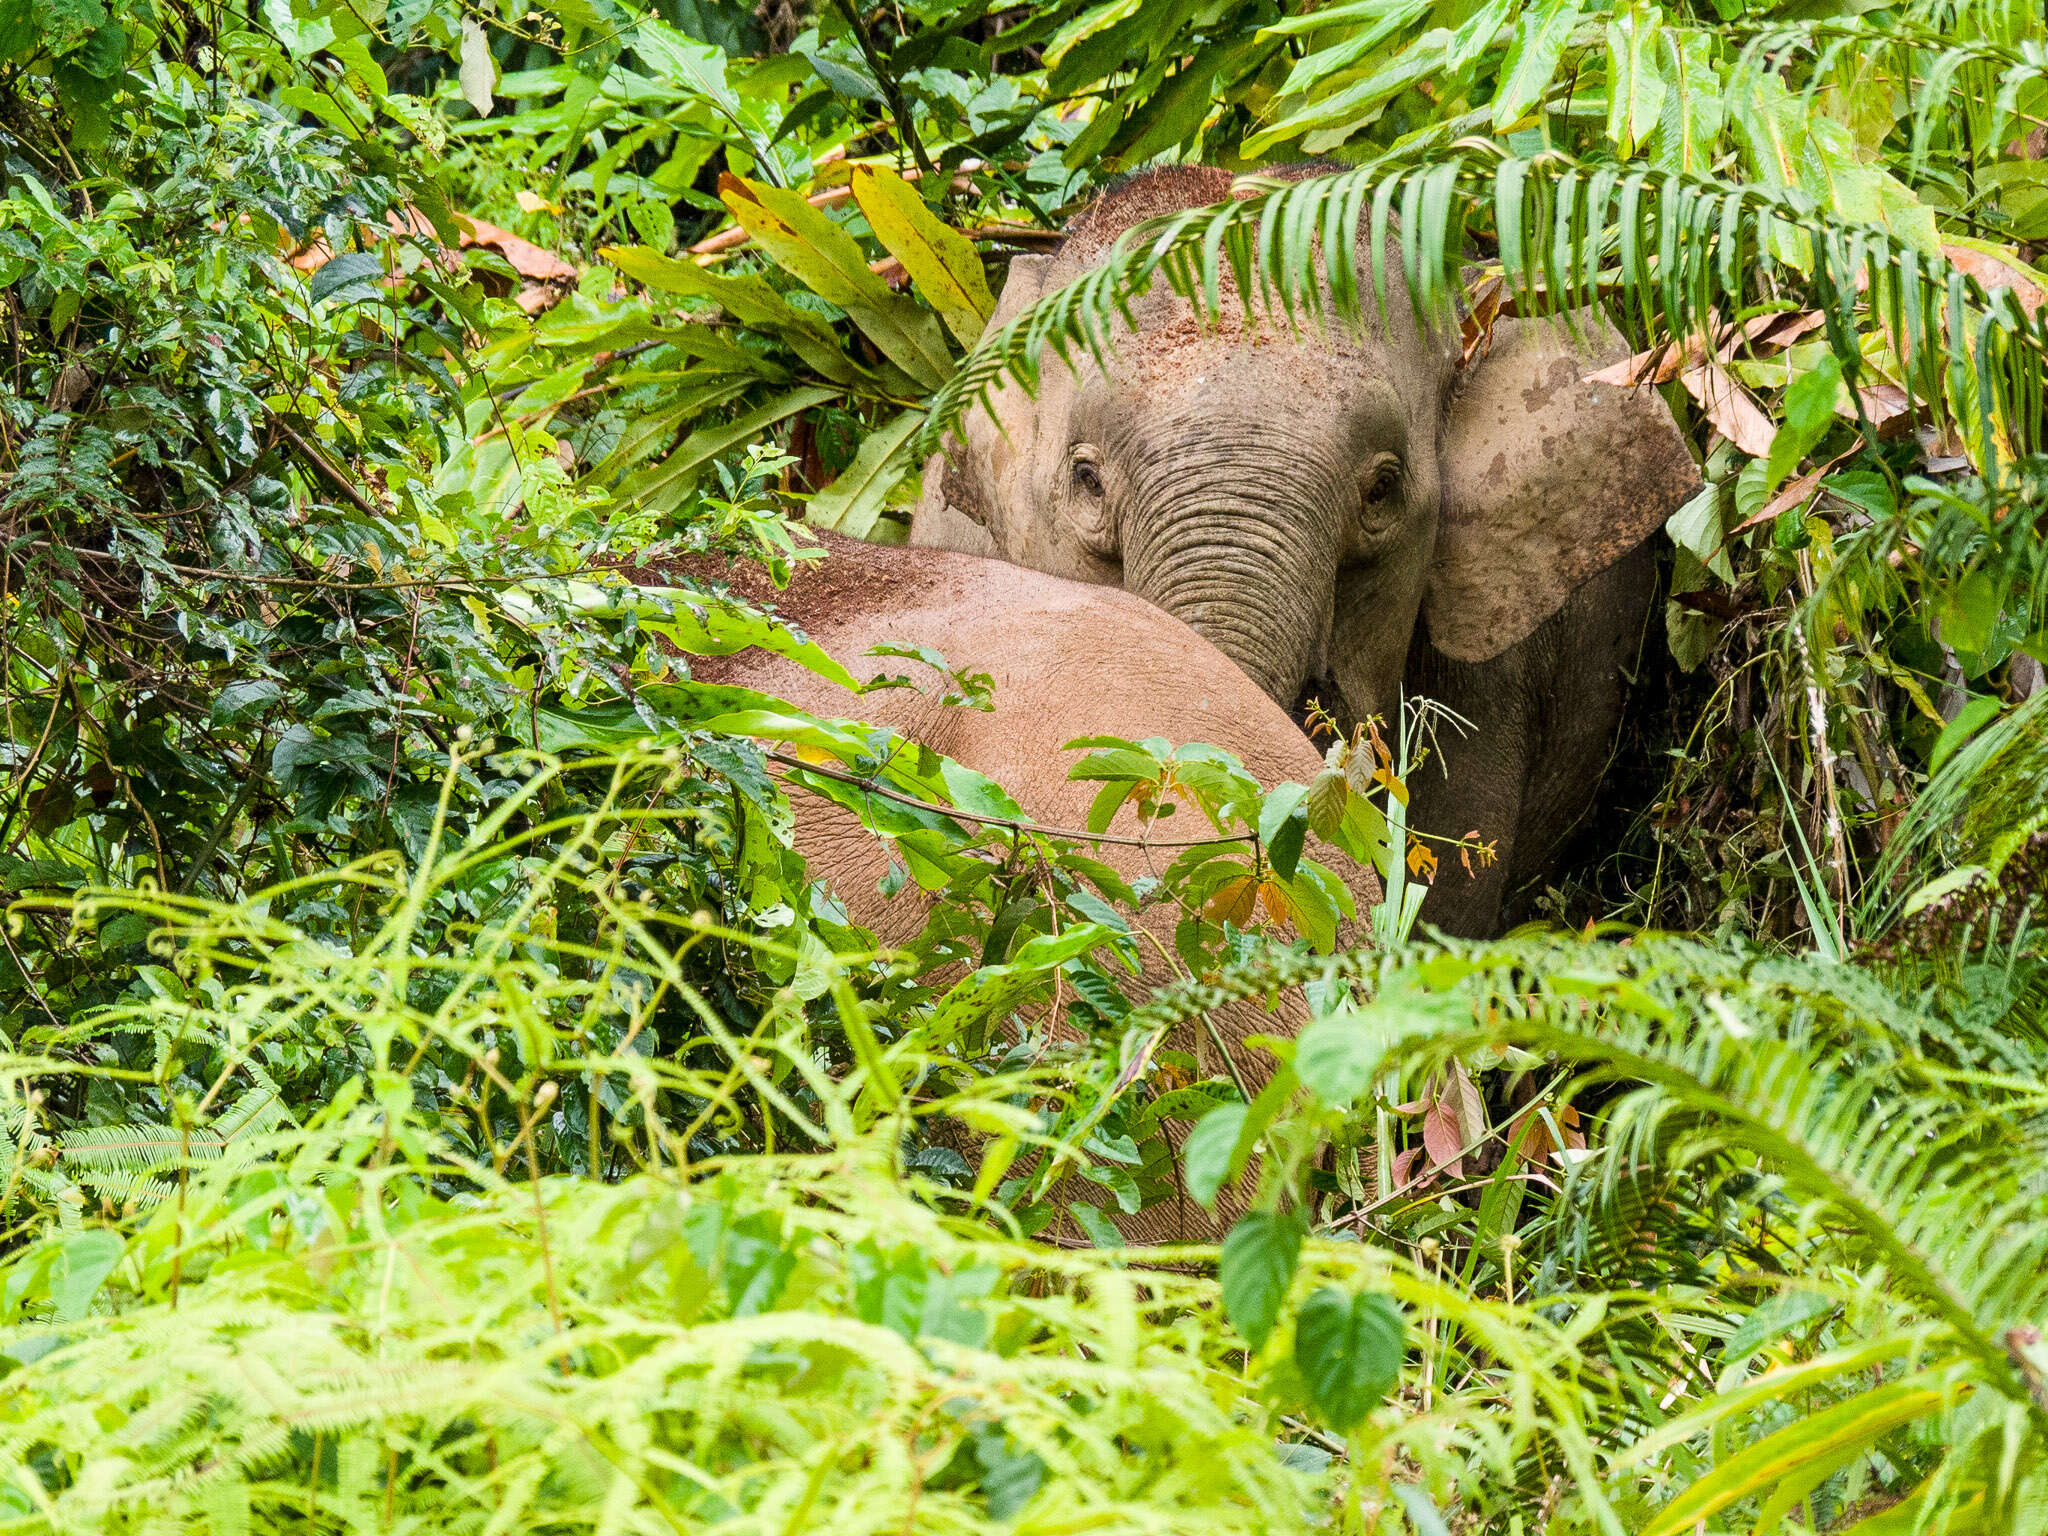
(808, 245)
(942, 262)
(1234, 901)
(1421, 861)
(1278, 904)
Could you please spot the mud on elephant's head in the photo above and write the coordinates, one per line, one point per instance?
(1300, 498)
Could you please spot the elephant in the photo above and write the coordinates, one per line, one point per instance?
(1067, 660)
(1350, 513)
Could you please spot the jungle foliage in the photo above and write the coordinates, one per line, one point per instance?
(437, 1094)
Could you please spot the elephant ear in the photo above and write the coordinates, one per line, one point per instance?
(959, 480)
(1547, 481)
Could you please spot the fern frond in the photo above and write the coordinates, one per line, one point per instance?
(1668, 246)
(137, 1161)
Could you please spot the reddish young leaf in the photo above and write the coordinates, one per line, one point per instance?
(1994, 270)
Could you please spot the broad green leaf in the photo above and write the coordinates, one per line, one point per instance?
(1330, 120)
(1206, 1156)
(811, 247)
(1635, 85)
(1178, 108)
(1339, 1055)
(1108, 801)
(1777, 1316)
(1540, 36)
(1094, 20)
(1969, 612)
(83, 1262)
(1832, 1437)
(1257, 1266)
(646, 435)
(661, 487)
(1283, 827)
(942, 262)
(1101, 1230)
(748, 300)
(1780, 1386)
(1970, 719)
(851, 503)
(977, 792)
(1808, 412)
(346, 271)
(1348, 1350)
(1834, 171)
(1694, 112)
(1382, 18)
(1001, 987)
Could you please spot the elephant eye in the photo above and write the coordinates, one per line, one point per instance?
(1087, 479)
(1382, 484)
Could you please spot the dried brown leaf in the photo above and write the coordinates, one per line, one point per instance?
(1735, 415)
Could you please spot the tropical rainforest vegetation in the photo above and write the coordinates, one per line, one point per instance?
(437, 1095)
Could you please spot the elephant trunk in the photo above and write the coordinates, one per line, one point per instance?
(1244, 559)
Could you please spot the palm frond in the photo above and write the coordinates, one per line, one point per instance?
(1668, 248)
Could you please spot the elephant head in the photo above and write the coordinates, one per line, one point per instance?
(1302, 497)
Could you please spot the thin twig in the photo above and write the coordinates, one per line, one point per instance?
(210, 573)
(789, 760)
(332, 475)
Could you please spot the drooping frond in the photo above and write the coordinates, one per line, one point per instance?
(1670, 248)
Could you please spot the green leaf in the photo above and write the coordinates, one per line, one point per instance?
(1694, 109)
(1969, 615)
(808, 245)
(1832, 1437)
(1101, 1230)
(104, 51)
(749, 300)
(851, 503)
(1808, 411)
(1970, 719)
(1338, 1057)
(244, 699)
(1635, 86)
(1540, 36)
(1127, 764)
(1348, 1350)
(1777, 1316)
(1208, 1152)
(942, 263)
(1283, 827)
(1108, 801)
(1258, 1263)
(661, 487)
(83, 1262)
(346, 271)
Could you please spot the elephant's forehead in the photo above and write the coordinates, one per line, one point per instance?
(1187, 356)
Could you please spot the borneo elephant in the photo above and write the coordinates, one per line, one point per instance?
(1066, 660)
(1347, 512)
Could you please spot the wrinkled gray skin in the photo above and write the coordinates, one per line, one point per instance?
(1349, 515)
(1066, 661)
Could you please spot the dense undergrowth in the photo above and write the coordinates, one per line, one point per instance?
(439, 1096)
